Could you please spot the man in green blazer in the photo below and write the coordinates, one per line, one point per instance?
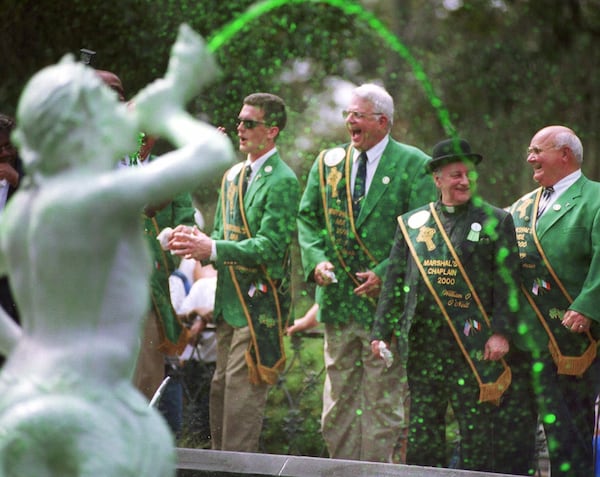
(346, 225)
(558, 232)
(250, 246)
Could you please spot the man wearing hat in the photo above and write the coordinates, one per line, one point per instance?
(449, 295)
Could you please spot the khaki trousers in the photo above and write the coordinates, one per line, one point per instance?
(236, 406)
(150, 367)
(365, 404)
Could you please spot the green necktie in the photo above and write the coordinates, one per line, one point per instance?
(359, 184)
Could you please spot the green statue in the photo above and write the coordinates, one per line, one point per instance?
(72, 244)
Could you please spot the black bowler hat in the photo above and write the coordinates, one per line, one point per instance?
(452, 150)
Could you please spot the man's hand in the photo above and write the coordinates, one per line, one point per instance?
(495, 347)
(189, 242)
(376, 349)
(370, 286)
(9, 173)
(323, 274)
(576, 322)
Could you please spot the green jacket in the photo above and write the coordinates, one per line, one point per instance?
(569, 233)
(271, 204)
(401, 183)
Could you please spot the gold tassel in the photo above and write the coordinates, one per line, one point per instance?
(492, 392)
(573, 365)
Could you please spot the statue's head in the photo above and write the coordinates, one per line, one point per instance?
(67, 116)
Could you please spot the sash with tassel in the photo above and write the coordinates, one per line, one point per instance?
(457, 299)
(572, 352)
(258, 294)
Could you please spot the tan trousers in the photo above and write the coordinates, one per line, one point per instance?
(150, 367)
(236, 406)
(365, 404)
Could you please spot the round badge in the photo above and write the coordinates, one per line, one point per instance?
(556, 207)
(476, 227)
(334, 156)
(234, 171)
(386, 180)
(268, 169)
(418, 219)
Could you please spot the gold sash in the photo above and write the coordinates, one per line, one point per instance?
(334, 176)
(258, 371)
(548, 296)
(436, 257)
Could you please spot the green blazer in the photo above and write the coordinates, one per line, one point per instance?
(270, 204)
(400, 183)
(569, 233)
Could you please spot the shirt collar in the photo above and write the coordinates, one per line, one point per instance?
(566, 182)
(256, 165)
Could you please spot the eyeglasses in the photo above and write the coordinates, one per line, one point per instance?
(536, 151)
(249, 123)
(358, 114)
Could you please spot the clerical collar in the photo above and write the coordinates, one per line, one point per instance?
(454, 209)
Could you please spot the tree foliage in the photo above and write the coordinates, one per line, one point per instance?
(502, 68)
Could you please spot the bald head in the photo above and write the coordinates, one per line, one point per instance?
(554, 152)
(562, 137)
(113, 82)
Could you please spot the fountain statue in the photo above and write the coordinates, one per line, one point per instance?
(71, 241)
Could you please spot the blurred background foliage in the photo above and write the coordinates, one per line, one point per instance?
(502, 69)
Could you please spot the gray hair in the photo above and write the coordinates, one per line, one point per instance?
(382, 100)
(569, 139)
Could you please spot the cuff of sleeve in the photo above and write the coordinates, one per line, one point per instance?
(213, 251)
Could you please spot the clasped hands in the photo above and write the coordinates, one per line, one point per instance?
(190, 242)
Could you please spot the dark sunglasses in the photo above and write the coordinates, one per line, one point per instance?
(249, 123)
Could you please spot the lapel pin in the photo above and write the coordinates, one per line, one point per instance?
(385, 180)
(474, 232)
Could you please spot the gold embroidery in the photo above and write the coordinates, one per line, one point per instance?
(425, 235)
(333, 179)
(231, 191)
(522, 208)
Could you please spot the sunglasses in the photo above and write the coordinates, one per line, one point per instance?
(249, 123)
